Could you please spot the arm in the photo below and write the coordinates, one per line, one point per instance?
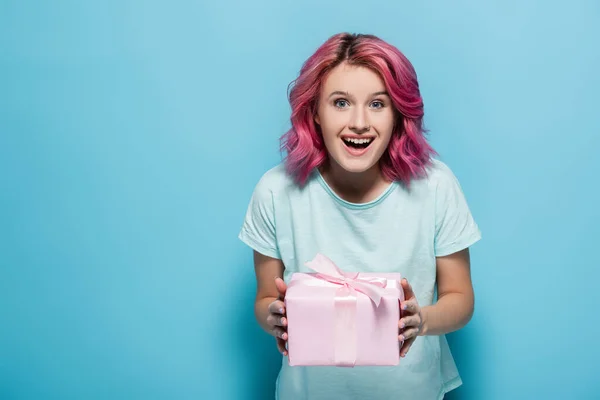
(454, 226)
(454, 307)
(269, 307)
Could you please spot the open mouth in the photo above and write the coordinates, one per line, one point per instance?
(358, 143)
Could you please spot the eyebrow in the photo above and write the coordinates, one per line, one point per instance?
(339, 92)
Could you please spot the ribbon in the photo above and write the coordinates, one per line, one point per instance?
(345, 303)
(328, 271)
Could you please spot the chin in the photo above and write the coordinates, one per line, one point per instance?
(356, 166)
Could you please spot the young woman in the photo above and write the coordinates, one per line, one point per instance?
(360, 184)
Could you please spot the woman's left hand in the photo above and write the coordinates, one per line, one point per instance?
(411, 323)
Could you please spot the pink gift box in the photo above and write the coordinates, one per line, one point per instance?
(337, 318)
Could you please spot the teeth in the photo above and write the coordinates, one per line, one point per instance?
(358, 141)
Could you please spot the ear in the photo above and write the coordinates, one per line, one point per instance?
(317, 119)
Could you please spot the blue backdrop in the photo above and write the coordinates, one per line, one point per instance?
(132, 134)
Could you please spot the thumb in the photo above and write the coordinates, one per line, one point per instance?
(408, 292)
(281, 287)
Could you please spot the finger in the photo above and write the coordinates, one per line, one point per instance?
(410, 306)
(408, 321)
(407, 334)
(406, 346)
(281, 287)
(277, 307)
(408, 292)
(276, 320)
(281, 346)
(280, 333)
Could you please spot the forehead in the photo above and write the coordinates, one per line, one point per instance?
(353, 79)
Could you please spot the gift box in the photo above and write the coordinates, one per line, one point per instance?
(338, 318)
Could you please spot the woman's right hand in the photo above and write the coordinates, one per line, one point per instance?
(277, 320)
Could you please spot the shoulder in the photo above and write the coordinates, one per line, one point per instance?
(274, 181)
(443, 184)
(439, 172)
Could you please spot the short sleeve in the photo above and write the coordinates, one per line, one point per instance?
(455, 228)
(258, 229)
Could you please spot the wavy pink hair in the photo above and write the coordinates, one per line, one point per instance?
(408, 153)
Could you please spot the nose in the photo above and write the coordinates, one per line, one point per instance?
(358, 121)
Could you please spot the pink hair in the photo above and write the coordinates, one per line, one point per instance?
(408, 153)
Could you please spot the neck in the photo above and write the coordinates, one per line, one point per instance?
(355, 187)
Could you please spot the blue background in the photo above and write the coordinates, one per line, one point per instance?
(132, 134)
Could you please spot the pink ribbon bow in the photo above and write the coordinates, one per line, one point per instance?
(327, 270)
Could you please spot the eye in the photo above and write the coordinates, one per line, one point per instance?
(377, 104)
(341, 103)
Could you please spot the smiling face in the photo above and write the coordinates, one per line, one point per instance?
(356, 117)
